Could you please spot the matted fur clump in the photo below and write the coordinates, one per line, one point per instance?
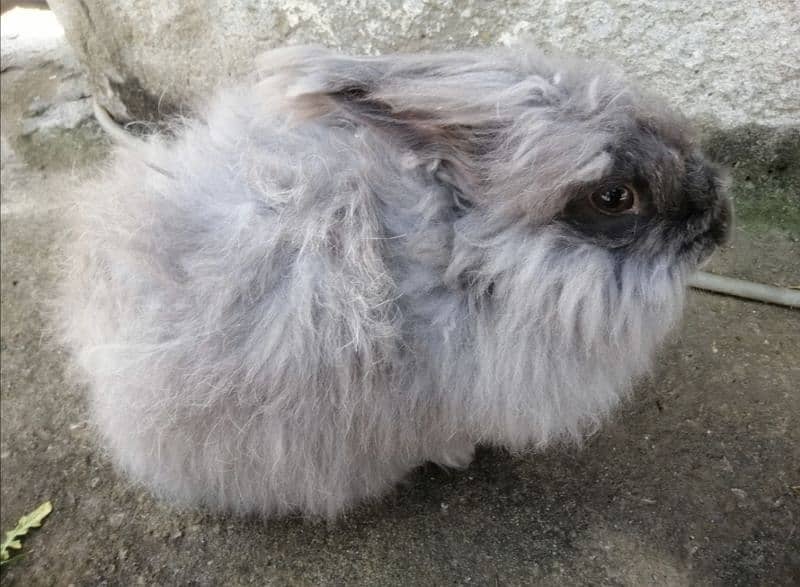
(351, 266)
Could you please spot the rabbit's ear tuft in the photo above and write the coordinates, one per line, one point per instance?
(424, 103)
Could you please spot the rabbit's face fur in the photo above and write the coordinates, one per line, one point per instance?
(354, 265)
(526, 288)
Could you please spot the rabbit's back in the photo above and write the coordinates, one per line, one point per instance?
(232, 307)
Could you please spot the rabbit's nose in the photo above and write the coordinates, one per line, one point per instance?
(721, 228)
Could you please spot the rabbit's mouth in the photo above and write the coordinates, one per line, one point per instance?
(721, 225)
(698, 250)
(699, 247)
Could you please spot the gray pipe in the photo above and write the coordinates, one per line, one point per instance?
(739, 288)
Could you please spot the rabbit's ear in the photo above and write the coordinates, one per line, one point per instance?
(447, 149)
(429, 104)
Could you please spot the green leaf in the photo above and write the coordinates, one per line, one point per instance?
(32, 520)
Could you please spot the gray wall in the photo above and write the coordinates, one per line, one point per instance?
(726, 63)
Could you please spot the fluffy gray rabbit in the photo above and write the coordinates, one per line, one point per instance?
(350, 266)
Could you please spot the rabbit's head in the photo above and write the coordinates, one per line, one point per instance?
(523, 138)
(580, 205)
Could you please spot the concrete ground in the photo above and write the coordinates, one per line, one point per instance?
(696, 481)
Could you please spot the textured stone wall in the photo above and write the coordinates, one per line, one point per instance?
(727, 63)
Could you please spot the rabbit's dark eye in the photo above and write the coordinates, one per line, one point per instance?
(617, 200)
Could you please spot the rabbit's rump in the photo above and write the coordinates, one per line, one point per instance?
(233, 308)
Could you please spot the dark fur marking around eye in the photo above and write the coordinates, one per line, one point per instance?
(607, 230)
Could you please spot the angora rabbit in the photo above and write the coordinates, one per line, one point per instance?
(354, 265)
